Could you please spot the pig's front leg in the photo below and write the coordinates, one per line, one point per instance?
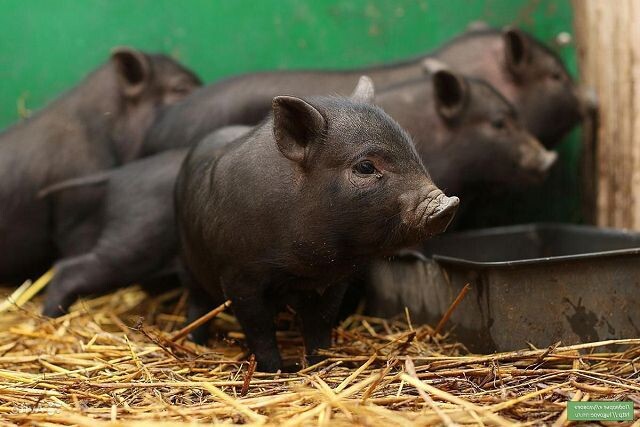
(255, 314)
(319, 312)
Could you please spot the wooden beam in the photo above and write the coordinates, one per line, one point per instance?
(608, 41)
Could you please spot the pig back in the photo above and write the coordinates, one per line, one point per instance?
(246, 100)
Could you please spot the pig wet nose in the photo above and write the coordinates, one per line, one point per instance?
(443, 215)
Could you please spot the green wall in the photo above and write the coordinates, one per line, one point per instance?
(46, 46)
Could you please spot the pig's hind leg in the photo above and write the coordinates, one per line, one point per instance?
(126, 253)
(73, 277)
(199, 304)
(91, 274)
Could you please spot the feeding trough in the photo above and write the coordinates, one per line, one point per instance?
(538, 284)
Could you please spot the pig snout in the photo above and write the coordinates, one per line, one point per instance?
(548, 159)
(535, 160)
(427, 211)
(588, 101)
(443, 215)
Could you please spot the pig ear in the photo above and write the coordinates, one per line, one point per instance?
(133, 70)
(364, 91)
(451, 94)
(516, 49)
(450, 89)
(295, 124)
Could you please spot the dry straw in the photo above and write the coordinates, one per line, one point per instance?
(118, 360)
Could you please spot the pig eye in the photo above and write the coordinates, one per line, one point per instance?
(498, 124)
(180, 90)
(365, 167)
(556, 75)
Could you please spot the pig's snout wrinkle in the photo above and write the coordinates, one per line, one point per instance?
(428, 211)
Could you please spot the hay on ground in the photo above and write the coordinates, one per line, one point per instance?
(116, 359)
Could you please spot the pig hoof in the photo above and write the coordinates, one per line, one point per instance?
(315, 358)
(291, 368)
(199, 336)
(53, 311)
(269, 365)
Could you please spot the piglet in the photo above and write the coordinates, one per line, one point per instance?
(284, 214)
(95, 126)
(132, 206)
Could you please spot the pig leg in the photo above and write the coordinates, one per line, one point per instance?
(137, 241)
(94, 273)
(319, 313)
(73, 277)
(255, 314)
(199, 304)
(123, 255)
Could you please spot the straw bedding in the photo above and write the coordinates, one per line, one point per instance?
(118, 360)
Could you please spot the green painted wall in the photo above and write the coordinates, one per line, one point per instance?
(46, 46)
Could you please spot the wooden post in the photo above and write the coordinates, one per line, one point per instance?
(608, 41)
